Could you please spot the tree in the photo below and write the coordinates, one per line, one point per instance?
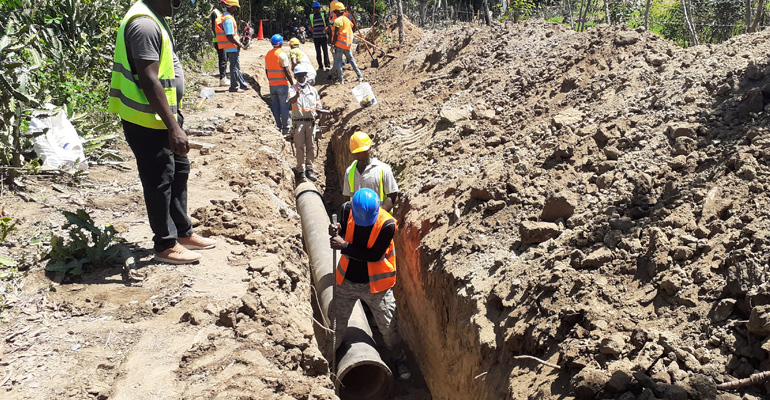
(400, 22)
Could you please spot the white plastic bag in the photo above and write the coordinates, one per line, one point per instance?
(364, 95)
(60, 147)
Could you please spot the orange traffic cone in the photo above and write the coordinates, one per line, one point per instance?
(260, 35)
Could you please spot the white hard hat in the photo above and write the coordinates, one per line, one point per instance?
(299, 69)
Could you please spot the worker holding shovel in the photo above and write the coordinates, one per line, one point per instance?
(305, 104)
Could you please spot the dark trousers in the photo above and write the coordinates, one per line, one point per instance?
(221, 61)
(320, 47)
(164, 182)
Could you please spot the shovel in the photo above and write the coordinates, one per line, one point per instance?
(206, 93)
(375, 62)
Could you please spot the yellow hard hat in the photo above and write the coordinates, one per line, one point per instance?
(294, 41)
(360, 142)
(336, 5)
(233, 3)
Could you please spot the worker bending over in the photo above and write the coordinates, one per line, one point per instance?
(305, 103)
(299, 57)
(367, 270)
(368, 172)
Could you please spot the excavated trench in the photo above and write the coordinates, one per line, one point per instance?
(433, 315)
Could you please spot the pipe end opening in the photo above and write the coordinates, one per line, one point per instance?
(366, 381)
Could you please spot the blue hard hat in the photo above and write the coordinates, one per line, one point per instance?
(366, 207)
(276, 39)
(316, 4)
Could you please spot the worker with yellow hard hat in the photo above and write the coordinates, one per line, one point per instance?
(342, 41)
(227, 39)
(369, 172)
(298, 57)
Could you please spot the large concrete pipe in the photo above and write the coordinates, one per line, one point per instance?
(361, 373)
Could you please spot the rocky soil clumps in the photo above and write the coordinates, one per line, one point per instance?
(595, 199)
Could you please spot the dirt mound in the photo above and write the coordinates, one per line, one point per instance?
(594, 199)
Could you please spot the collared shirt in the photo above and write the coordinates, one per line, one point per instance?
(371, 179)
(308, 99)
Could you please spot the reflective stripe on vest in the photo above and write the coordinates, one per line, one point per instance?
(352, 178)
(222, 41)
(382, 273)
(318, 28)
(127, 99)
(345, 34)
(276, 76)
(218, 15)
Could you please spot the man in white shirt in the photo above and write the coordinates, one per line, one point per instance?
(305, 103)
(368, 172)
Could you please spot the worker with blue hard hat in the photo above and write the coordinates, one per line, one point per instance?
(319, 26)
(277, 68)
(367, 270)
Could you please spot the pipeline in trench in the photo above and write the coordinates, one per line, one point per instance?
(360, 371)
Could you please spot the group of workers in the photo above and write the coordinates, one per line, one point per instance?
(227, 43)
(294, 105)
(146, 90)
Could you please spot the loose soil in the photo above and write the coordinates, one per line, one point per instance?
(596, 200)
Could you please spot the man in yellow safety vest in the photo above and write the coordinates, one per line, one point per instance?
(367, 270)
(369, 172)
(216, 13)
(146, 90)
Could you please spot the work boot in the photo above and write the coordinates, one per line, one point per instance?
(197, 242)
(402, 368)
(224, 82)
(177, 255)
(299, 177)
(311, 175)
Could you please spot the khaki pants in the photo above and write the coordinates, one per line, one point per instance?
(304, 135)
(383, 306)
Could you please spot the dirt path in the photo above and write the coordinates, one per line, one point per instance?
(235, 325)
(101, 336)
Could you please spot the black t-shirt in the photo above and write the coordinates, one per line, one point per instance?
(357, 252)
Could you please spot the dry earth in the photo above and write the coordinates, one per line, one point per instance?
(597, 200)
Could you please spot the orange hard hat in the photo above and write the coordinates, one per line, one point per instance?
(359, 142)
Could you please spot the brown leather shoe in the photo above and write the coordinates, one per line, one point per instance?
(177, 255)
(197, 242)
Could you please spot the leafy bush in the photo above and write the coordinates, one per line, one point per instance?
(20, 93)
(87, 245)
(58, 51)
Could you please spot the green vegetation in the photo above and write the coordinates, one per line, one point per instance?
(60, 52)
(712, 21)
(87, 245)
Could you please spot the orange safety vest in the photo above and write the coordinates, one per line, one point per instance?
(222, 41)
(345, 34)
(382, 273)
(276, 76)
